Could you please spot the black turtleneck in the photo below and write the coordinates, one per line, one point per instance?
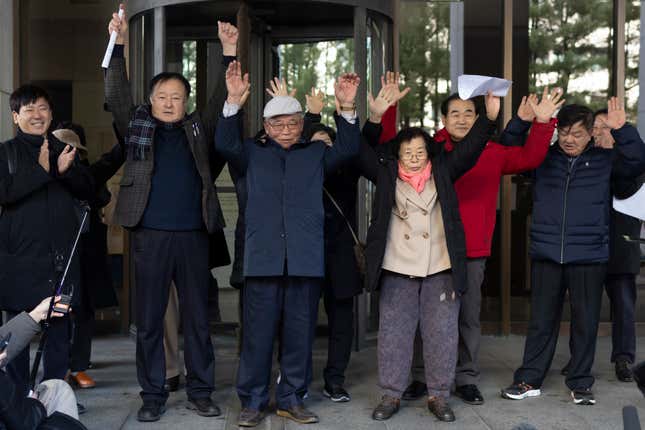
(174, 202)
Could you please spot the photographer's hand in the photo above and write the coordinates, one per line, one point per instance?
(39, 313)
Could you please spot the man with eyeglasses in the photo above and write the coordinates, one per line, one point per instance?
(284, 243)
(570, 245)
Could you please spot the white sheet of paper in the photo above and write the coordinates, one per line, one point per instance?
(632, 206)
(110, 47)
(476, 85)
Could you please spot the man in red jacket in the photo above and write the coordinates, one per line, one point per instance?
(477, 194)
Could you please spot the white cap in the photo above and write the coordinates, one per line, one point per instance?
(282, 105)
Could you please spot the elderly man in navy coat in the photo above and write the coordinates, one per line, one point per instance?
(284, 255)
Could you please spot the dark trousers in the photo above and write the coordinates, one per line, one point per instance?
(340, 316)
(621, 290)
(272, 305)
(55, 355)
(83, 327)
(161, 257)
(549, 283)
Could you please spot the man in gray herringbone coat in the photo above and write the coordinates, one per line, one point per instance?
(168, 200)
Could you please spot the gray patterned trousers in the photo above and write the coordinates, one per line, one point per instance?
(431, 305)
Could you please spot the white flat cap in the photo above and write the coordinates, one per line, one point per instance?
(282, 105)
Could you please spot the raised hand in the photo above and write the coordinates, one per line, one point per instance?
(236, 83)
(524, 111)
(391, 80)
(120, 25)
(315, 101)
(43, 155)
(548, 105)
(616, 116)
(377, 106)
(66, 158)
(345, 90)
(227, 34)
(279, 88)
(492, 106)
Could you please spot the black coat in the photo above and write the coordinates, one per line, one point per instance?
(624, 256)
(381, 167)
(39, 220)
(341, 271)
(98, 288)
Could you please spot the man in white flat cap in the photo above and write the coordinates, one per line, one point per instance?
(283, 255)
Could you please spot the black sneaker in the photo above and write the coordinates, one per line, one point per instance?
(470, 394)
(520, 391)
(336, 393)
(81, 408)
(623, 372)
(583, 396)
(150, 411)
(415, 390)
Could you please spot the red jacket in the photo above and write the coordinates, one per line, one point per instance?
(477, 189)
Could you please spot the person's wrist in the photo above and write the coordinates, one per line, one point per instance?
(229, 50)
(234, 100)
(375, 118)
(36, 315)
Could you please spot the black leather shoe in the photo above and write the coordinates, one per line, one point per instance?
(172, 384)
(623, 372)
(388, 407)
(415, 390)
(250, 417)
(470, 394)
(439, 407)
(565, 369)
(299, 414)
(150, 411)
(81, 408)
(204, 407)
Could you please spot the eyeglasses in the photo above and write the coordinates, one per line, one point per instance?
(418, 156)
(279, 126)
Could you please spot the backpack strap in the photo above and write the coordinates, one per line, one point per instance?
(12, 156)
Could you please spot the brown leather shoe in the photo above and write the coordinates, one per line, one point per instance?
(299, 414)
(250, 417)
(439, 407)
(388, 407)
(82, 380)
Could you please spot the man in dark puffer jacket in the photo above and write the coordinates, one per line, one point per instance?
(570, 244)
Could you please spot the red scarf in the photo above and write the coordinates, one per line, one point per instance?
(416, 180)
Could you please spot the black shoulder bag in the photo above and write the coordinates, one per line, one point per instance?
(359, 247)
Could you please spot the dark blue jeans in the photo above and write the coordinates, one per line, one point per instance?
(621, 290)
(284, 304)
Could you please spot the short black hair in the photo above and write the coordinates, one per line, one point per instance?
(316, 127)
(167, 76)
(76, 128)
(600, 112)
(27, 94)
(445, 105)
(409, 133)
(573, 114)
